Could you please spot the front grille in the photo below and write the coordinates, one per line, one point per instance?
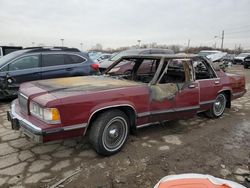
(23, 102)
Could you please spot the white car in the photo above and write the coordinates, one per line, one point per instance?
(102, 57)
(240, 58)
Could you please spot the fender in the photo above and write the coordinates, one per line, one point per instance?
(226, 89)
(103, 106)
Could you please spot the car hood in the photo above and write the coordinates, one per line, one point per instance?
(216, 56)
(80, 84)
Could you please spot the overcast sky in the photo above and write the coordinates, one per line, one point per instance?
(115, 23)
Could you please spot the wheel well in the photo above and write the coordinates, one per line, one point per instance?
(129, 111)
(228, 97)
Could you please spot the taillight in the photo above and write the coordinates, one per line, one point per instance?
(95, 66)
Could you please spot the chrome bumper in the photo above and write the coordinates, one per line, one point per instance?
(33, 131)
(27, 128)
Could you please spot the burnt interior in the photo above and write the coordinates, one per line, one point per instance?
(144, 70)
(139, 70)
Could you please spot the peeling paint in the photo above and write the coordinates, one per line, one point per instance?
(160, 92)
(188, 71)
(84, 83)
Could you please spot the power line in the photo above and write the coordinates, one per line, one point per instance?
(241, 31)
(239, 27)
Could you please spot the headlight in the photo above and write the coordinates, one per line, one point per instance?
(50, 115)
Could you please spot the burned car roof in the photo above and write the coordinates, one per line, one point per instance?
(159, 56)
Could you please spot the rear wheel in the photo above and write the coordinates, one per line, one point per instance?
(109, 132)
(218, 107)
(246, 66)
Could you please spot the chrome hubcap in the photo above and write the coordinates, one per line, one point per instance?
(219, 105)
(115, 133)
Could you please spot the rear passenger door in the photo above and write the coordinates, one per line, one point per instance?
(61, 65)
(208, 81)
(76, 64)
(176, 94)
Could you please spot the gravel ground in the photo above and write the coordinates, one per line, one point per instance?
(219, 147)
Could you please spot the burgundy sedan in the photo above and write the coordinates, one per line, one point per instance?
(157, 88)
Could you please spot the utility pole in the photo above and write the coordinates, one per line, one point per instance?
(188, 45)
(62, 41)
(222, 39)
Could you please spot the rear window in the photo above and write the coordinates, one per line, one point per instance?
(73, 59)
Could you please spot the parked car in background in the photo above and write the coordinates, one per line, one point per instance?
(110, 106)
(94, 55)
(144, 51)
(239, 59)
(41, 63)
(102, 57)
(205, 53)
(4, 50)
(229, 58)
(247, 62)
(218, 57)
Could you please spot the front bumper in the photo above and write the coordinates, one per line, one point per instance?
(38, 134)
(27, 128)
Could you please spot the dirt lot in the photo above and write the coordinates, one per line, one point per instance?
(220, 147)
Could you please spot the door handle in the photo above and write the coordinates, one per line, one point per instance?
(191, 86)
(216, 82)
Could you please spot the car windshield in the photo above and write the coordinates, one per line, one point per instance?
(243, 55)
(124, 53)
(9, 57)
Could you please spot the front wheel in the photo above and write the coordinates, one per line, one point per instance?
(218, 107)
(245, 67)
(109, 132)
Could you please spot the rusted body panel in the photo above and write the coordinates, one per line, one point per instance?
(78, 99)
